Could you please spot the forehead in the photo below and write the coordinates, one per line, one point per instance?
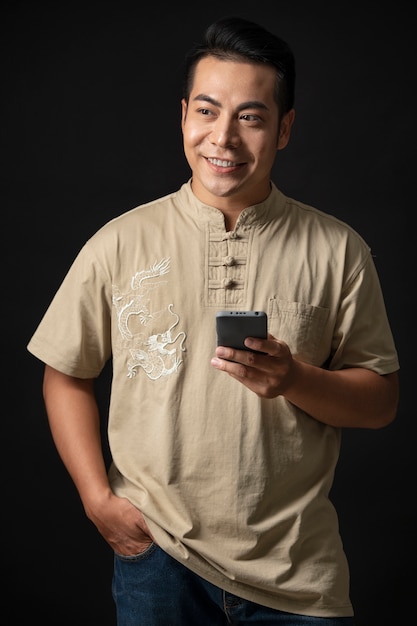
(238, 80)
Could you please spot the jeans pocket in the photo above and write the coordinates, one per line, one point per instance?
(137, 557)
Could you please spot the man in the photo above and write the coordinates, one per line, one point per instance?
(216, 502)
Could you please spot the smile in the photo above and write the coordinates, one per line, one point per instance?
(221, 163)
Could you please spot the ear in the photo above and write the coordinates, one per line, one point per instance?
(183, 112)
(285, 129)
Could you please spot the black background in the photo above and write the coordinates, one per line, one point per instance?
(90, 128)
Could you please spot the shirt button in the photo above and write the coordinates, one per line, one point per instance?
(227, 283)
(228, 260)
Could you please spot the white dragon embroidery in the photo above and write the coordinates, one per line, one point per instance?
(148, 352)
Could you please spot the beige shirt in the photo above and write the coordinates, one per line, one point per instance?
(233, 486)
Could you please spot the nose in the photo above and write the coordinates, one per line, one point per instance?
(225, 133)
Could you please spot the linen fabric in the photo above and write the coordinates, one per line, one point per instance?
(233, 486)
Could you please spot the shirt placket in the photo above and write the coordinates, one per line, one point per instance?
(227, 260)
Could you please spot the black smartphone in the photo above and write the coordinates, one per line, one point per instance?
(233, 327)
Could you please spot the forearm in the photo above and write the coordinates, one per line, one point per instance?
(75, 426)
(349, 398)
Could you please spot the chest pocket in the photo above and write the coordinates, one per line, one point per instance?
(302, 327)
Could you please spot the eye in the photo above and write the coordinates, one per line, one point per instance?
(250, 117)
(204, 111)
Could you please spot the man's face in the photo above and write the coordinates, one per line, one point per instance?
(231, 132)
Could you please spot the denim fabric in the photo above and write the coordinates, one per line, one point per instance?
(153, 589)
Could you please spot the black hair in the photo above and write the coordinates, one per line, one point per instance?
(234, 38)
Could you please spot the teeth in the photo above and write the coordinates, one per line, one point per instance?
(222, 163)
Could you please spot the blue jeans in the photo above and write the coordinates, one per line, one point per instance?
(153, 589)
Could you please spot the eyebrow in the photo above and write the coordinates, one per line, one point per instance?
(250, 104)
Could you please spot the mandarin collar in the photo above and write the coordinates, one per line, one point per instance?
(257, 214)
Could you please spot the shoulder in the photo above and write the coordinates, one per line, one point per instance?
(143, 219)
(325, 229)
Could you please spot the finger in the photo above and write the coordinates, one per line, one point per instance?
(272, 347)
(245, 357)
(234, 368)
